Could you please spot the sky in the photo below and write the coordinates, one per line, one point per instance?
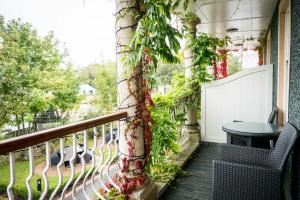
(85, 27)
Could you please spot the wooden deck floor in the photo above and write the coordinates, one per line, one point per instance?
(198, 182)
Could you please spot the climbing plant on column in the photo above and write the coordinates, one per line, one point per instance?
(153, 39)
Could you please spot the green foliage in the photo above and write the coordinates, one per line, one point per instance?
(105, 83)
(89, 73)
(169, 117)
(114, 194)
(179, 94)
(204, 53)
(22, 58)
(163, 172)
(104, 78)
(154, 35)
(165, 135)
(64, 90)
(165, 72)
(234, 64)
(170, 110)
(30, 78)
(155, 39)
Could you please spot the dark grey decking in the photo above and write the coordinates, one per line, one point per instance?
(198, 182)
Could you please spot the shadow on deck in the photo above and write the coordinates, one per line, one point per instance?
(198, 182)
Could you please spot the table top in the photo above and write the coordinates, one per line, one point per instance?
(252, 129)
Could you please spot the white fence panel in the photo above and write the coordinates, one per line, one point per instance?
(245, 96)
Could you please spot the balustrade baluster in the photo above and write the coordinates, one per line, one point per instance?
(105, 163)
(31, 172)
(113, 157)
(12, 168)
(92, 165)
(45, 170)
(83, 164)
(58, 167)
(71, 161)
(99, 165)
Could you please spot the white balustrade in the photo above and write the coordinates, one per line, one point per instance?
(12, 168)
(92, 165)
(71, 161)
(99, 166)
(45, 177)
(58, 167)
(31, 172)
(83, 164)
(90, 179)
(105, 163)
(113, 157)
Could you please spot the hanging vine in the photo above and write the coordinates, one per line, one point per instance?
(153, 39)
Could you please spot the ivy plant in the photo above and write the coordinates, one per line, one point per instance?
(154, 40)
(204, 49)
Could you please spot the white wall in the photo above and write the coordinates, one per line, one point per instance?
(245, 96)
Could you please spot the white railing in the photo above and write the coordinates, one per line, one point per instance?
(96, 161)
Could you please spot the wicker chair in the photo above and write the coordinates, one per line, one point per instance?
(273, 116)
(247, 173)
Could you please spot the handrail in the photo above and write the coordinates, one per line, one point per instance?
(21, 142)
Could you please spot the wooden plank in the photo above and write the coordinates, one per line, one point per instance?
(198, 183)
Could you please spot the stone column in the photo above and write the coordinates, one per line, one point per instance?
(191, 124)
(125, 25)
(131, 141)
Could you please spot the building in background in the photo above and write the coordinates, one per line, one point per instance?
(86, 89)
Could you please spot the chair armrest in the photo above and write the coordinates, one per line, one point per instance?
(238, 181)
(245, 155)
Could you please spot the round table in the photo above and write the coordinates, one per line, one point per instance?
(254, 134)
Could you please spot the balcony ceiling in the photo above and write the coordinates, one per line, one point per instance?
(250, 17)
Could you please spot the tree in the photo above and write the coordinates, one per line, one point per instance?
(88, 74)
(106, 85)
(165, 72)
(23, 57)
(29, 67)
(64, 91)
(234, 64)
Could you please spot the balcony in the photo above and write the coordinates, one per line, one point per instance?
(83, 165)
(74, 161)
(81, 160)
(197, 184)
